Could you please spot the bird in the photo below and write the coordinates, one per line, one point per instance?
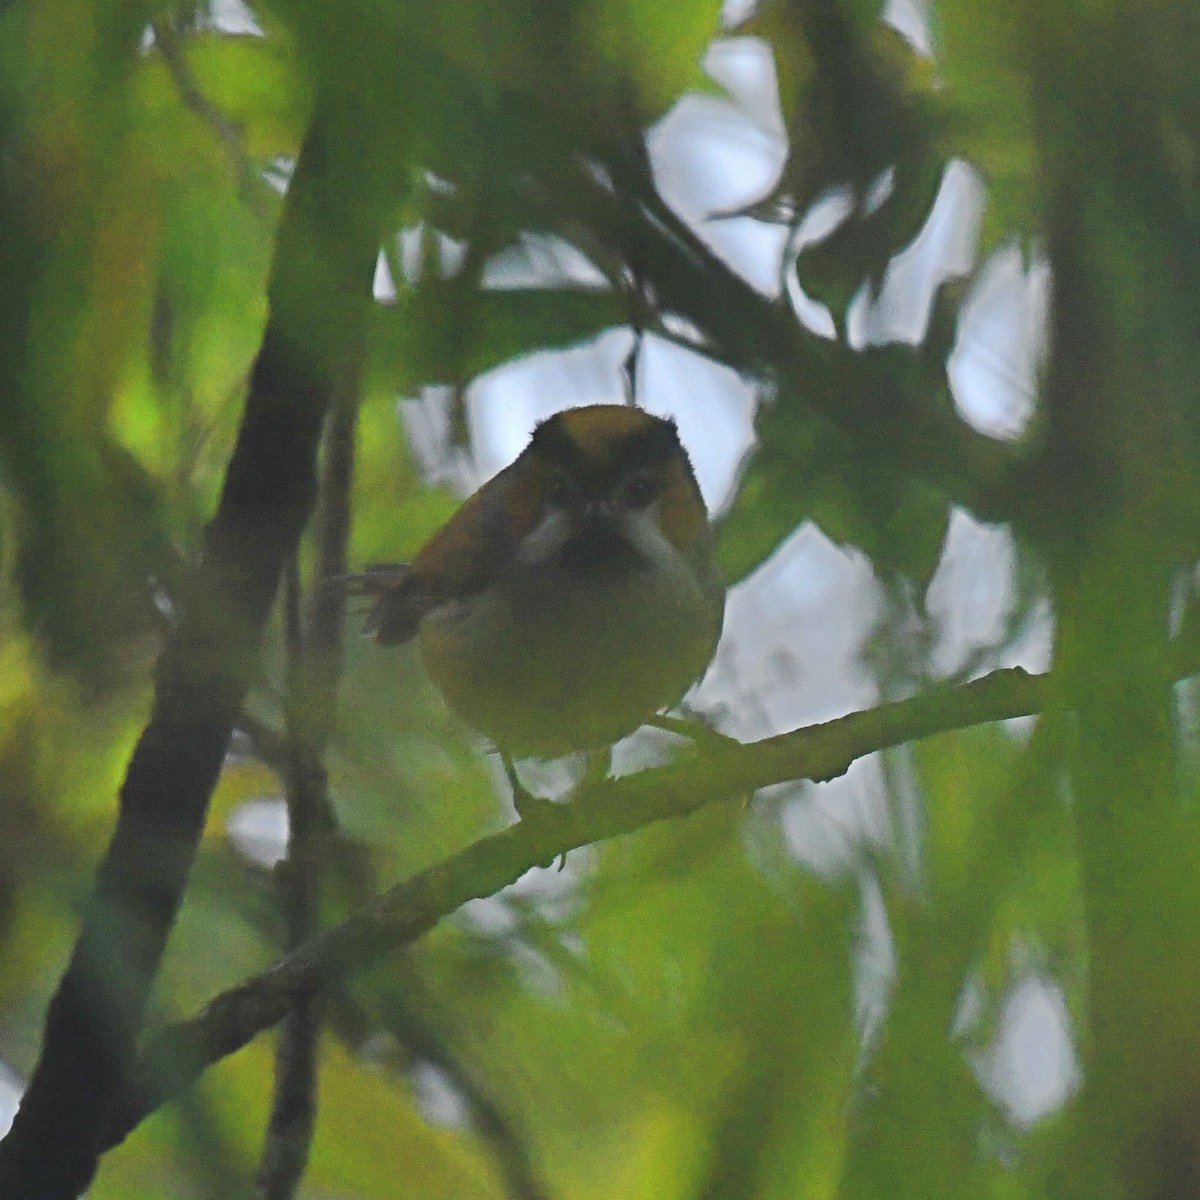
(572, 598)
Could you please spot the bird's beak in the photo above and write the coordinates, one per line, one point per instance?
(598, 512)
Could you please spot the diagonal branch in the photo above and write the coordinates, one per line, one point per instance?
(761, 336)
(175, 1055)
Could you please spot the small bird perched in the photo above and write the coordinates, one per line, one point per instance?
(572, 597)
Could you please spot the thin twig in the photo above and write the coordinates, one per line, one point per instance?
(251, 187)
(294, 1098)
(314, 664)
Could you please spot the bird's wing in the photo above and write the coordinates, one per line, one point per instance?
(456, 562)
(399, 604)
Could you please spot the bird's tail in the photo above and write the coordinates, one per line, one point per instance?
(394, 615)
(376, 579)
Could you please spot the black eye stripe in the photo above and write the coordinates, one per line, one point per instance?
(602, 465)
(640, 490)
(562, 487)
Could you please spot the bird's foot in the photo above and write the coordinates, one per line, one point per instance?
(530, 808)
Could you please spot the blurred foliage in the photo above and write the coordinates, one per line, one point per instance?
(692, 1012)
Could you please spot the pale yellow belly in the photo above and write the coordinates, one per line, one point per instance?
(561, 665)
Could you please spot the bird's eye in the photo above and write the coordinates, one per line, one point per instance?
(561, 488)
(640, 490)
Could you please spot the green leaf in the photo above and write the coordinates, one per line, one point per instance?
(416, 341)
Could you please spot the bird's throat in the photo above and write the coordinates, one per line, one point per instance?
(599, 550)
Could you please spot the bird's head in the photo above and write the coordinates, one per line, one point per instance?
(606, 490)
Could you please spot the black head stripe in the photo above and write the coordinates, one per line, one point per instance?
(599, 454)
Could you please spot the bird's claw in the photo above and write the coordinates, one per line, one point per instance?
(531, 808)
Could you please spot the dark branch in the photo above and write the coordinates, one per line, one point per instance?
(314, 654)
(762, 337)
(319, 292)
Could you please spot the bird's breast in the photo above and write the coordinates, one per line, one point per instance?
(552, 659)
